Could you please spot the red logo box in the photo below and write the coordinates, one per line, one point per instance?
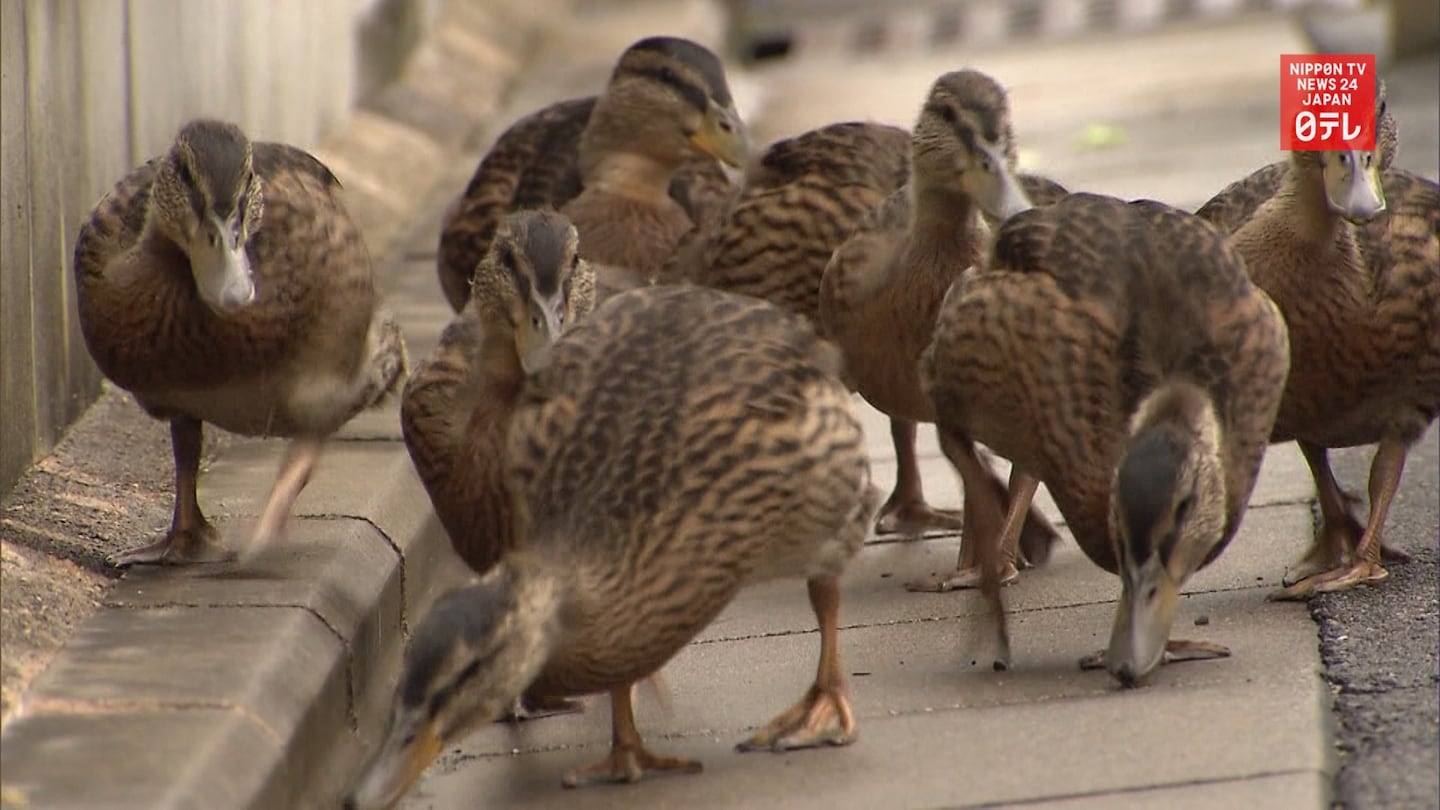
(1327, 101)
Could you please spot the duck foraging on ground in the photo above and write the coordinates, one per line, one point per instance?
(224, 282)
(678, 445)
(1117, 353)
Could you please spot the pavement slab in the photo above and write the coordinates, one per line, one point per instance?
(174, 767)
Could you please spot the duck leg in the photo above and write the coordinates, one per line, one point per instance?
(1365, 568)
(905, 512)
(1338, 526)
(1340, 530)
(984, 519)
(823, 716)
(628, 760)
(300, 457)
(191, 539)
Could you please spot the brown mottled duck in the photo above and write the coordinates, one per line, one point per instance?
(678, 445)
(530, 287)
(882, 289)
(1117, 353)
(1351, 255)
(456, 407)
(224, 282)
(634, 168)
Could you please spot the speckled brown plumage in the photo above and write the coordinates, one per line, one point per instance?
(457, 404)
(310, 351)
(1085, 308)
(538, 163)
(1362, 302)
(678, 445)
(1102, 333)
(698, 441)
(883, 286)
(801, 200)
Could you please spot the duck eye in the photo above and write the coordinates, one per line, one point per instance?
(1182, 509)
(948, 114)
(535, 321)
(667, 75)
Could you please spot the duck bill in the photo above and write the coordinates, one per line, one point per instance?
(1142, 623)
(1352, 185)
(999, 193)
(221, 267)
(722, 136)
(401, 761)
(533, 342)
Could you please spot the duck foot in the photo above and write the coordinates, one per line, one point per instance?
(822, 717)
(1362, 572)
(960, 579)
(537, 708)
(178, 547)
(626, 764)
(915, 518)
(1176, 650)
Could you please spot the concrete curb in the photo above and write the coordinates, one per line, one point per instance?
(227, 687)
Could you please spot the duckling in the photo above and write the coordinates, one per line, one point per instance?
(531, 286)
(677, 446)
(224, 282)
(635, 168)
(1118, 353)
(882, 289)
(1351, 255)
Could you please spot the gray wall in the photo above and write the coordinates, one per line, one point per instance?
(94, 87)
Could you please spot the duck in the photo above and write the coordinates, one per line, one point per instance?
(456, 406)
(1350, 252)
(1117, 353)
(882, 288)
(727, 452)
(1237, 202)
(454, 411)
(224, 282)
(634, 168)
(799, 200)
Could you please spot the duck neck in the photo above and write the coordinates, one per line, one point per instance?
(944, 223)
(613, 168)
(1302, 200)
(535, 608)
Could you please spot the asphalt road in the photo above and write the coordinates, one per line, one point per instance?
(1379, 646)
